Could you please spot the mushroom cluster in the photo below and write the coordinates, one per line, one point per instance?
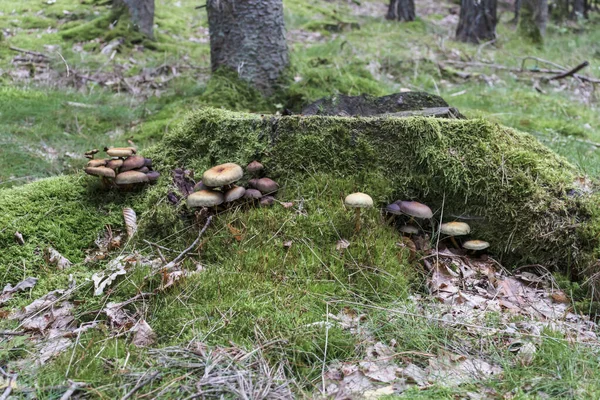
(124, 168)
(217, 187)
(450, 230)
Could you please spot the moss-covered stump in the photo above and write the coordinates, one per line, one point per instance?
(517, 194)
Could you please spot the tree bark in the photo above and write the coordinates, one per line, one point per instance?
(141, 13)
(401, 10)
(517, 11)
(477, 21)
(579, 9)
(248, 36)
(533, 20)
(560, 12)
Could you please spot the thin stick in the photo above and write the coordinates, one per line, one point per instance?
(75, 386)
(572, 72)
(9, 386)
(139, 386)
(11, 333)
(30, 52)
(326, 342)
(180, 257)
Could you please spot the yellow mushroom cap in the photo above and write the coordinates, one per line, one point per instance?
(120, 151)
(221, 175)
(455, 228)
(476, 245)
(129, 177)
(96, 163)
(205, 198)
(358, 200)
(100, 171)
(133, 162)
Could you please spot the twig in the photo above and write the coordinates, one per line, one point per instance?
(571, 72)
(180, 257)
(79, 105)
(140, 385)
(9, 387)
(67, 65)
(30, 52)
(12, 333)
(75, 386)
(541, 60)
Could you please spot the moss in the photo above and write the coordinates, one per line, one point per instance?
(473, 167)
(101, 28)
(528, 28)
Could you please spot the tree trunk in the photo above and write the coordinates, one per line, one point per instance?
(533, 20)
(579, 9)
(477, 21)
(141, 13)
(248, 36)
(560, 12)
(401, 10)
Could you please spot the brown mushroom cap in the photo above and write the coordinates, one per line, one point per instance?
(100, 171)
(358, 200)
(205, 198)
(265, 185)
(267, 201)
(96, 163)
(252, 194)
(254, 167)
(415, 209)
(148, 162)
(129, 177)
(143, 169)
(236, 192)
(455, 228)
(200, 186)
(114, 164)
(120, 151)
(133, 162)
(153, 176)
(221, 175)
(476, 245)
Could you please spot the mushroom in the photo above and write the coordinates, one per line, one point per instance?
(455, 229)
(205, 198)
(152, 176)
(265, 185)
(90, 154)
(476, 245)
(133, 162)
(130, 178)
(96, 163)
(148, 162)
(393, 209)
(145, 170)
(358, 200)
(114, 164)
(120, 151)
(267, 201)
(254, 167)
(200, 186)
(222, 175)
(252, 194)
(415, 209)
(100, 171)
(233, 194)
(409, 229)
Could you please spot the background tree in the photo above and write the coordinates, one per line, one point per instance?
(579, 9)
(533, 20)
(560, 10)
(141, 13)
(249, 37)
(477, 21)
(401, 10)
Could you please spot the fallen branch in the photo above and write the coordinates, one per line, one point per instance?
(12, 378)
(12, 333)
(75, 386)
(572, 72)
(180, 257)
(139, 386)
(30, 52)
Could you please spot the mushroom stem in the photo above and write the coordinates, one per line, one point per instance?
(454, 242)
(357, 220)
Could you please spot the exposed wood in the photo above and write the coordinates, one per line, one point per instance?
(572, 72)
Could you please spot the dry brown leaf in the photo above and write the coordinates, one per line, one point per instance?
(236, 233)
(454, 370)
(560, 297)
(9, 290)
(53, 257)
(143, 335)
(130, 221)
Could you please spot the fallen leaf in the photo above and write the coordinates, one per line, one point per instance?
(380, 372)
(117, 316)
(237, 234)
(53, 257)
(143, 336)
(453, 370)
(51, 348)
(101, 280)
(9, 290)
(560, 297)
(130, 221)
(378, 393)
(414, 374)
(342, 244)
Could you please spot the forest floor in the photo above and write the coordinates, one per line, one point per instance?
(69, 84)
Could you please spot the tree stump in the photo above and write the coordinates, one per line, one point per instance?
(401, 10)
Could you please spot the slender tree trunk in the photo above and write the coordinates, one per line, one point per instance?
(141, 13)
(248, 36)
(579, 9)
(477, 21)
(533, 20)
(401, 10)
(517, 11)
(560, 12)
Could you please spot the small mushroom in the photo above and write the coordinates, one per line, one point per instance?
(252, 194)
(114, 164)
(120, 151)
(415, 209)
(409, 229)
(200, 186)
(130, 178)
(254, 167)
(393, 209)
(153, 176)
(267, 201)
(133, 162)
(90, 154)
(222, 175)
(205, 198)
(148, 162)
(358, 200)
(476, 245)
(145, 170)
(265, 185)
(453, 229)
(100, 171)
(233, 194)
(96, 163)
